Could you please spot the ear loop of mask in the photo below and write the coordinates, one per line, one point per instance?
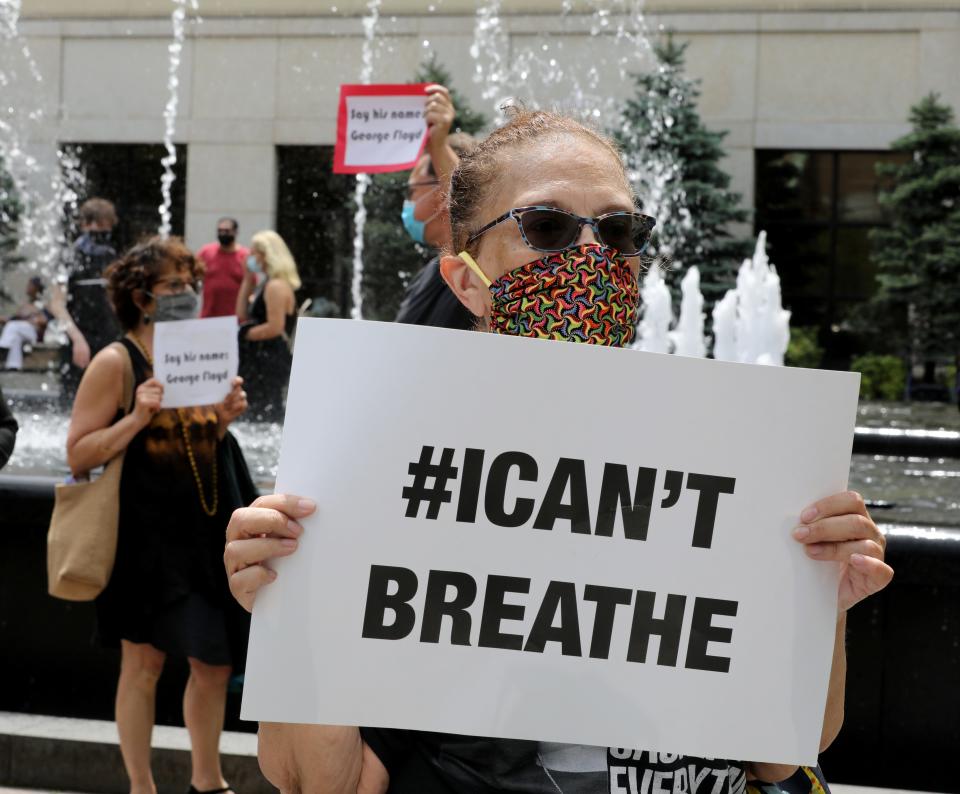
(472, 264)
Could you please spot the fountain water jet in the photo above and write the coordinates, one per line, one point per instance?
(657, 313)
(363, 180)
(750, 323)
(43, 193)
(178, 19)
(687, 336)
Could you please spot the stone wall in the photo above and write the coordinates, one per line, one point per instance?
(830, 79)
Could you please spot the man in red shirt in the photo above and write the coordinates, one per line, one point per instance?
(225, 262)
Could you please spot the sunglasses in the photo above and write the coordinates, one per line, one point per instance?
(412, 186)
(549, 229)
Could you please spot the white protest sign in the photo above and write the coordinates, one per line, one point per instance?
(552, 541)
(195, 360)
(380, 128)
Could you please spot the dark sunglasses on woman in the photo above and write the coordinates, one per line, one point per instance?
(549, 229)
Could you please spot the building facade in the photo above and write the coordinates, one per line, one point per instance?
(816, 89)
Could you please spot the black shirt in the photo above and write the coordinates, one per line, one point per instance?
(87, 299)
(429, 301)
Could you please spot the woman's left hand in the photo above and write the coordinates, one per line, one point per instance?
(234, 405)
(840, 529)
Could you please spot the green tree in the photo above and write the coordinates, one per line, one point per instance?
(390, 257)
(918, 255)
(10, 211)
(675, 163)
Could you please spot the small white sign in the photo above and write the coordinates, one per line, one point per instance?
(551, 541)
(195, 360)
(380, 128)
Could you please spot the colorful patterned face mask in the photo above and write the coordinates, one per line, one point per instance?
(582, 294)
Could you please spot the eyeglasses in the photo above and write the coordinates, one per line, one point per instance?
(411, 186)
(550, 229)
(177, 285)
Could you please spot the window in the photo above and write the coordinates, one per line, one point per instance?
(818, 208)
(129, 176)
(315, 218)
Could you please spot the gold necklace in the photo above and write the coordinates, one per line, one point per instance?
(210, 510)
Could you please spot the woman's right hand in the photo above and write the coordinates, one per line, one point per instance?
(257, 534)
(147, 403)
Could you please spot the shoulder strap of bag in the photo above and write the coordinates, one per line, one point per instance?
(127, 399)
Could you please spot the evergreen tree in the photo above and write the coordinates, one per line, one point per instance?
(918, 255)
(10, 211)
(674, 161)
(390, 257)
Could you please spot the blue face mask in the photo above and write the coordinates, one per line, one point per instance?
(412, 225)
(252, 265)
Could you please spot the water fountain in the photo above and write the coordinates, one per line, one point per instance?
(739, 319)
(750, 323)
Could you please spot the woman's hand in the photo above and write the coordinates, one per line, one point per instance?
(147, 403)
(840, 529)
(257, 534)
(233, 405)
(439, 114)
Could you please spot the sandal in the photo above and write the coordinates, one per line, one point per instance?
(224, 790)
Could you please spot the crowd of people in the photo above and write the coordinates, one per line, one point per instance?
(542, 195)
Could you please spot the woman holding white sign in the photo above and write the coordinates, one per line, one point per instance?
(546, 243)
(167, 592)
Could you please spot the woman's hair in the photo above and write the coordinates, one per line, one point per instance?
(477, 175)
(140, 267)
(279, 260)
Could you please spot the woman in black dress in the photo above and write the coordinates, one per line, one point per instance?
(267, 324)
(167, 593)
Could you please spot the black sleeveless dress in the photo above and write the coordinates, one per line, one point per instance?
(168, 587)
(265, 364)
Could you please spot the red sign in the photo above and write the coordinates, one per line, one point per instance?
(380, 128)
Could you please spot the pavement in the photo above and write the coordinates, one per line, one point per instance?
(49, 755)
(45, 754)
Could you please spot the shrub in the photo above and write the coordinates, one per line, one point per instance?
(881, 377)
(804, 350)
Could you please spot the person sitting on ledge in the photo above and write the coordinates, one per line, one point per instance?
(27, 326)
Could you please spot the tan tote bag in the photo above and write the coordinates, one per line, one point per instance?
(82, 539)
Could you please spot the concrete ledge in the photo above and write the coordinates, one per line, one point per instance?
(59, 753)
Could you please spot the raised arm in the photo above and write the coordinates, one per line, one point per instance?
(439, 115)
(839, 529)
